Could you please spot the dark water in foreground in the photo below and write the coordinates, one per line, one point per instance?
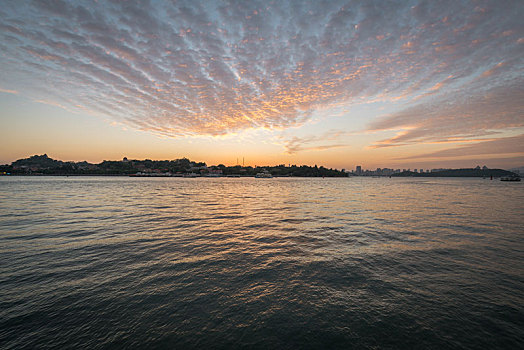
(261, 263)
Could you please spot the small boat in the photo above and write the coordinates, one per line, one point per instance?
(510, 178)
(264, 175)
(191, 175)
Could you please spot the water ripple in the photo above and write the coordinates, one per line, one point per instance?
(280, 263)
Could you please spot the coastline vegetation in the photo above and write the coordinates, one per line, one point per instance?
(43, 165)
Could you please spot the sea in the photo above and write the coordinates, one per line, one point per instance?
(245, 263)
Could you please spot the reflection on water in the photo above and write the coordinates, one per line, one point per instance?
(263, 263)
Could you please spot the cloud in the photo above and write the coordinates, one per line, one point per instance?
(311, 142)
(295, 146)
(503, 146)
(7, 91)
(213, 68)
(456, 116)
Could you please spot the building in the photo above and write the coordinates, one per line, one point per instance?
(358, 170)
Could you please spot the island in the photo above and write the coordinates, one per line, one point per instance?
(44, 165)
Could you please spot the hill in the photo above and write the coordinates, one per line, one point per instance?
(43, 165)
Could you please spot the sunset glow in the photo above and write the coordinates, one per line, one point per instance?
(373, 83)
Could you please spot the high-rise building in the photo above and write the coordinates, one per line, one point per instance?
(358, 171)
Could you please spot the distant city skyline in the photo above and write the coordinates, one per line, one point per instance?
(401, 84)
(389, 171)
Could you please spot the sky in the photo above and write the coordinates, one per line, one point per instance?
(398, 84)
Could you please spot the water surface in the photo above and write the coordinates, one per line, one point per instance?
(116, 262)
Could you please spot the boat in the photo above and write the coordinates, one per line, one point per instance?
(191, 175)
(510, 178)
(264, 175)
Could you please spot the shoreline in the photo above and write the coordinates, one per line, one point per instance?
(240, 176)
